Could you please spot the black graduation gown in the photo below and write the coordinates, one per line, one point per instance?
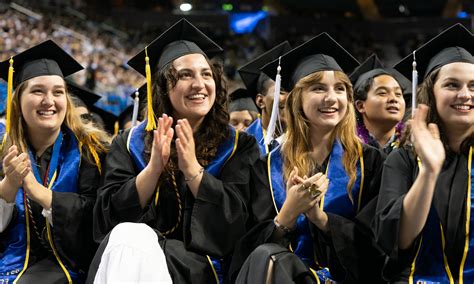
(71, 230)
(449, 201)
(211, 223)
(347, 249)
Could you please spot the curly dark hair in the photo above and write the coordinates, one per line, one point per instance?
(425, 95)
(213, 130)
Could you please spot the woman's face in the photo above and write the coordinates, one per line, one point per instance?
(240, 120)
(454, 95)
(195, 91)
(43, 104)
(325, 102)
(384, 103)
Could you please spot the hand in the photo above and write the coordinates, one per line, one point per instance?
(15, 167)
(426, 140)
(316, 214)
(37, 191)
(187, 161)
(160, 151)
(298, 198)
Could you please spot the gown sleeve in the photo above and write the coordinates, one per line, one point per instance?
(72, 218)
(399, 173)
(6, 213)
(117, 198)
(220, 211)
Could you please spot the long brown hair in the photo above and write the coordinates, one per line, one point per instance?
(297, 147)
(93, 140)
(213, 130)
(425, 95)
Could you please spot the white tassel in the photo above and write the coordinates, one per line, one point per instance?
(275, 109)
(414, 84)
(136, 102)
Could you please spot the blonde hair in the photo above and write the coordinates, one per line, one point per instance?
(297, 147)
(92, 141)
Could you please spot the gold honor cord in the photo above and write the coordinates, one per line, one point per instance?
(28, 241)
(213, 269)
(50, 237)
(468, 215)
(466, 246)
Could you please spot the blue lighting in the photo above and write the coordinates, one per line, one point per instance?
(463, 15)
(242, 23)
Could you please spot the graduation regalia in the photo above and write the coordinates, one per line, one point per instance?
(32, 248)
(443, 250)
(192, 229)
(346, 252)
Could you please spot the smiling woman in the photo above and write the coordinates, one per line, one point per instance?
(187, 181)
(51, 169)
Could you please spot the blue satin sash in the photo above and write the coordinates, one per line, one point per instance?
(430, 264)
(256, 130)
(136, 147)
(64, 163)
(335, 201)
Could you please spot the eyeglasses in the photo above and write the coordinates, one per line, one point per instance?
(86, 117)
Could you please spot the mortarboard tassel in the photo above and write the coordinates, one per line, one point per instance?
(9, 100)
(151, 123)
(275, 108)
(136, 102)
(116, 128)
(414, 84)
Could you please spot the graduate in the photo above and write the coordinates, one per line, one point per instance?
(380, 95)
(242, 109)
(262, 88)
(309, 190)
(51, 172)
(183, 186)
(424, 217)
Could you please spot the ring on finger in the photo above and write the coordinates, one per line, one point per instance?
(302, 187)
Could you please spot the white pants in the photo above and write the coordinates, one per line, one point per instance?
(132, 255)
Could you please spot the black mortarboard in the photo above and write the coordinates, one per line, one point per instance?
(109, 119)
(250, 73)
(125, 116)
(371, 68)
(321, 53)
(241, 99)
(180, 39)
(88, 97)
(455, 44)
(46, 58)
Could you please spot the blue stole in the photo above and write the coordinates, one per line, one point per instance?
(335, 201)
(430, 264)
(136, 147)
(256, 130)
(62, 177)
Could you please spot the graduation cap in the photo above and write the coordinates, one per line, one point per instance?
(371, 68)
(455, 44)
(241, 99)
(250, 73)
(321, 53)
(46, 58)
(88, 97)
(180, 39)
(125, 116)
(105, 119)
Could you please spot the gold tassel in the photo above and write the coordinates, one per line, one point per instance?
(151, 123)
(9, 96)
(116, 128)
(96, 157)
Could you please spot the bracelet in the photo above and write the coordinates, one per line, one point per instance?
(195, 176)
(285, 229)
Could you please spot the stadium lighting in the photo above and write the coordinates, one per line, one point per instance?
(185, 7)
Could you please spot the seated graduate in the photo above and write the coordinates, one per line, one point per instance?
(309, 190)
(242, 109)
(424, 219)
(262, 88)
(188, 179)
(51, 172)
(380, 95)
